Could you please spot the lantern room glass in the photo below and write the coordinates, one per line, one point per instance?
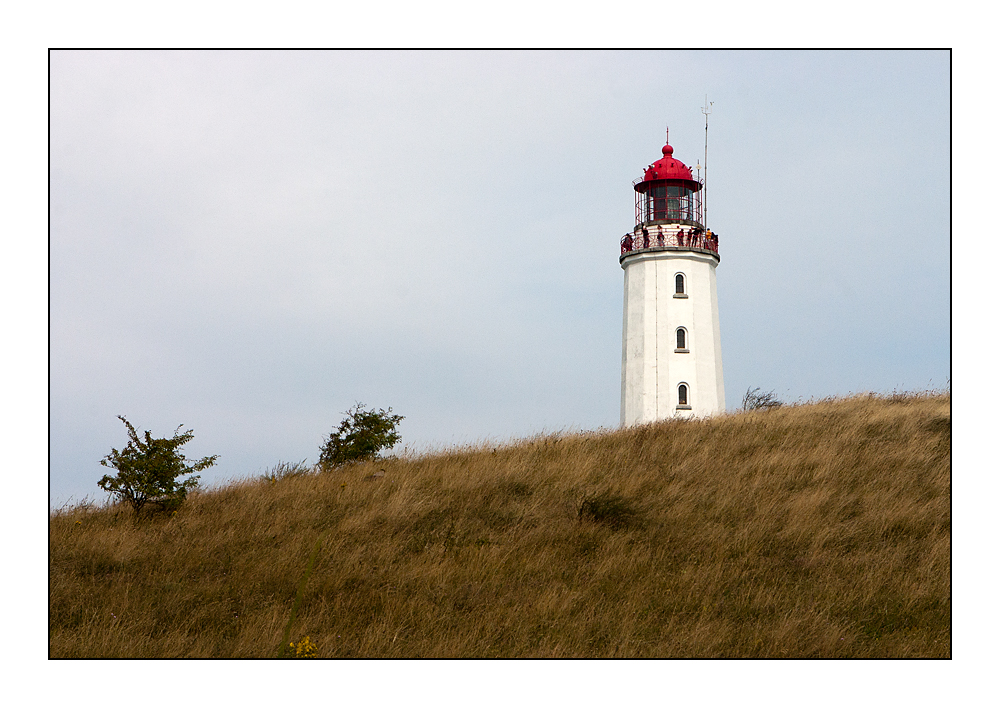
(669, 203)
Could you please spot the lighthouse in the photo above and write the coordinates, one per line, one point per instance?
(671, 345)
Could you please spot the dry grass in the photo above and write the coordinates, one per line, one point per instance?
(820, 530)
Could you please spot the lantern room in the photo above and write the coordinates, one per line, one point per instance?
(668, 193)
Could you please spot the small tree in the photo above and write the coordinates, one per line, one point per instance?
(756, 399)
(360, 436)
(148, 469)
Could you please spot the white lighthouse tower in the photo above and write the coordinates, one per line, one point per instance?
(671, 346)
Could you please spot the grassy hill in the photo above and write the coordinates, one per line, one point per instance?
(820, 530)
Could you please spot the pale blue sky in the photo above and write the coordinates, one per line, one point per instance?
(248, 243)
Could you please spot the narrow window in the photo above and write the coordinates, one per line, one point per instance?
(679, 284)
(682, 395)
(681, 339)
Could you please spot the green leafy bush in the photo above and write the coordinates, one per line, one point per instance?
(148, 469)
(360, 436)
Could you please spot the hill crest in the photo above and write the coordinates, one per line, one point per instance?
(819, 530)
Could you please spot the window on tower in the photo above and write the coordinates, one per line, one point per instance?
(681, 340)
(679, 284)
(682, 396)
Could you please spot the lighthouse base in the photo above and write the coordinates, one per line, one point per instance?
(664, 374)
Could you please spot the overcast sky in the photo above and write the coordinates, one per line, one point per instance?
(248, 243)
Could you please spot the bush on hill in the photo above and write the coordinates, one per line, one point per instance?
(755, 400)
(360, 436)
(148, 469)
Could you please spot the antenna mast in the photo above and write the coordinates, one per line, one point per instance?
(704, 190)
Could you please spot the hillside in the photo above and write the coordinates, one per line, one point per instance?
(820, 530)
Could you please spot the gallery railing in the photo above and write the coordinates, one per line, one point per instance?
(673, 238)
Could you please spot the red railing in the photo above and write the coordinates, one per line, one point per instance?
(676, 237)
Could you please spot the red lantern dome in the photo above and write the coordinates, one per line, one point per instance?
(667, 167)
(668, 193)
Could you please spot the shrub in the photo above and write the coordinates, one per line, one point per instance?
(755, 399)
(148, 469)
(360, 436)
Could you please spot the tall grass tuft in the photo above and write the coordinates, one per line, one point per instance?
(818, 530)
